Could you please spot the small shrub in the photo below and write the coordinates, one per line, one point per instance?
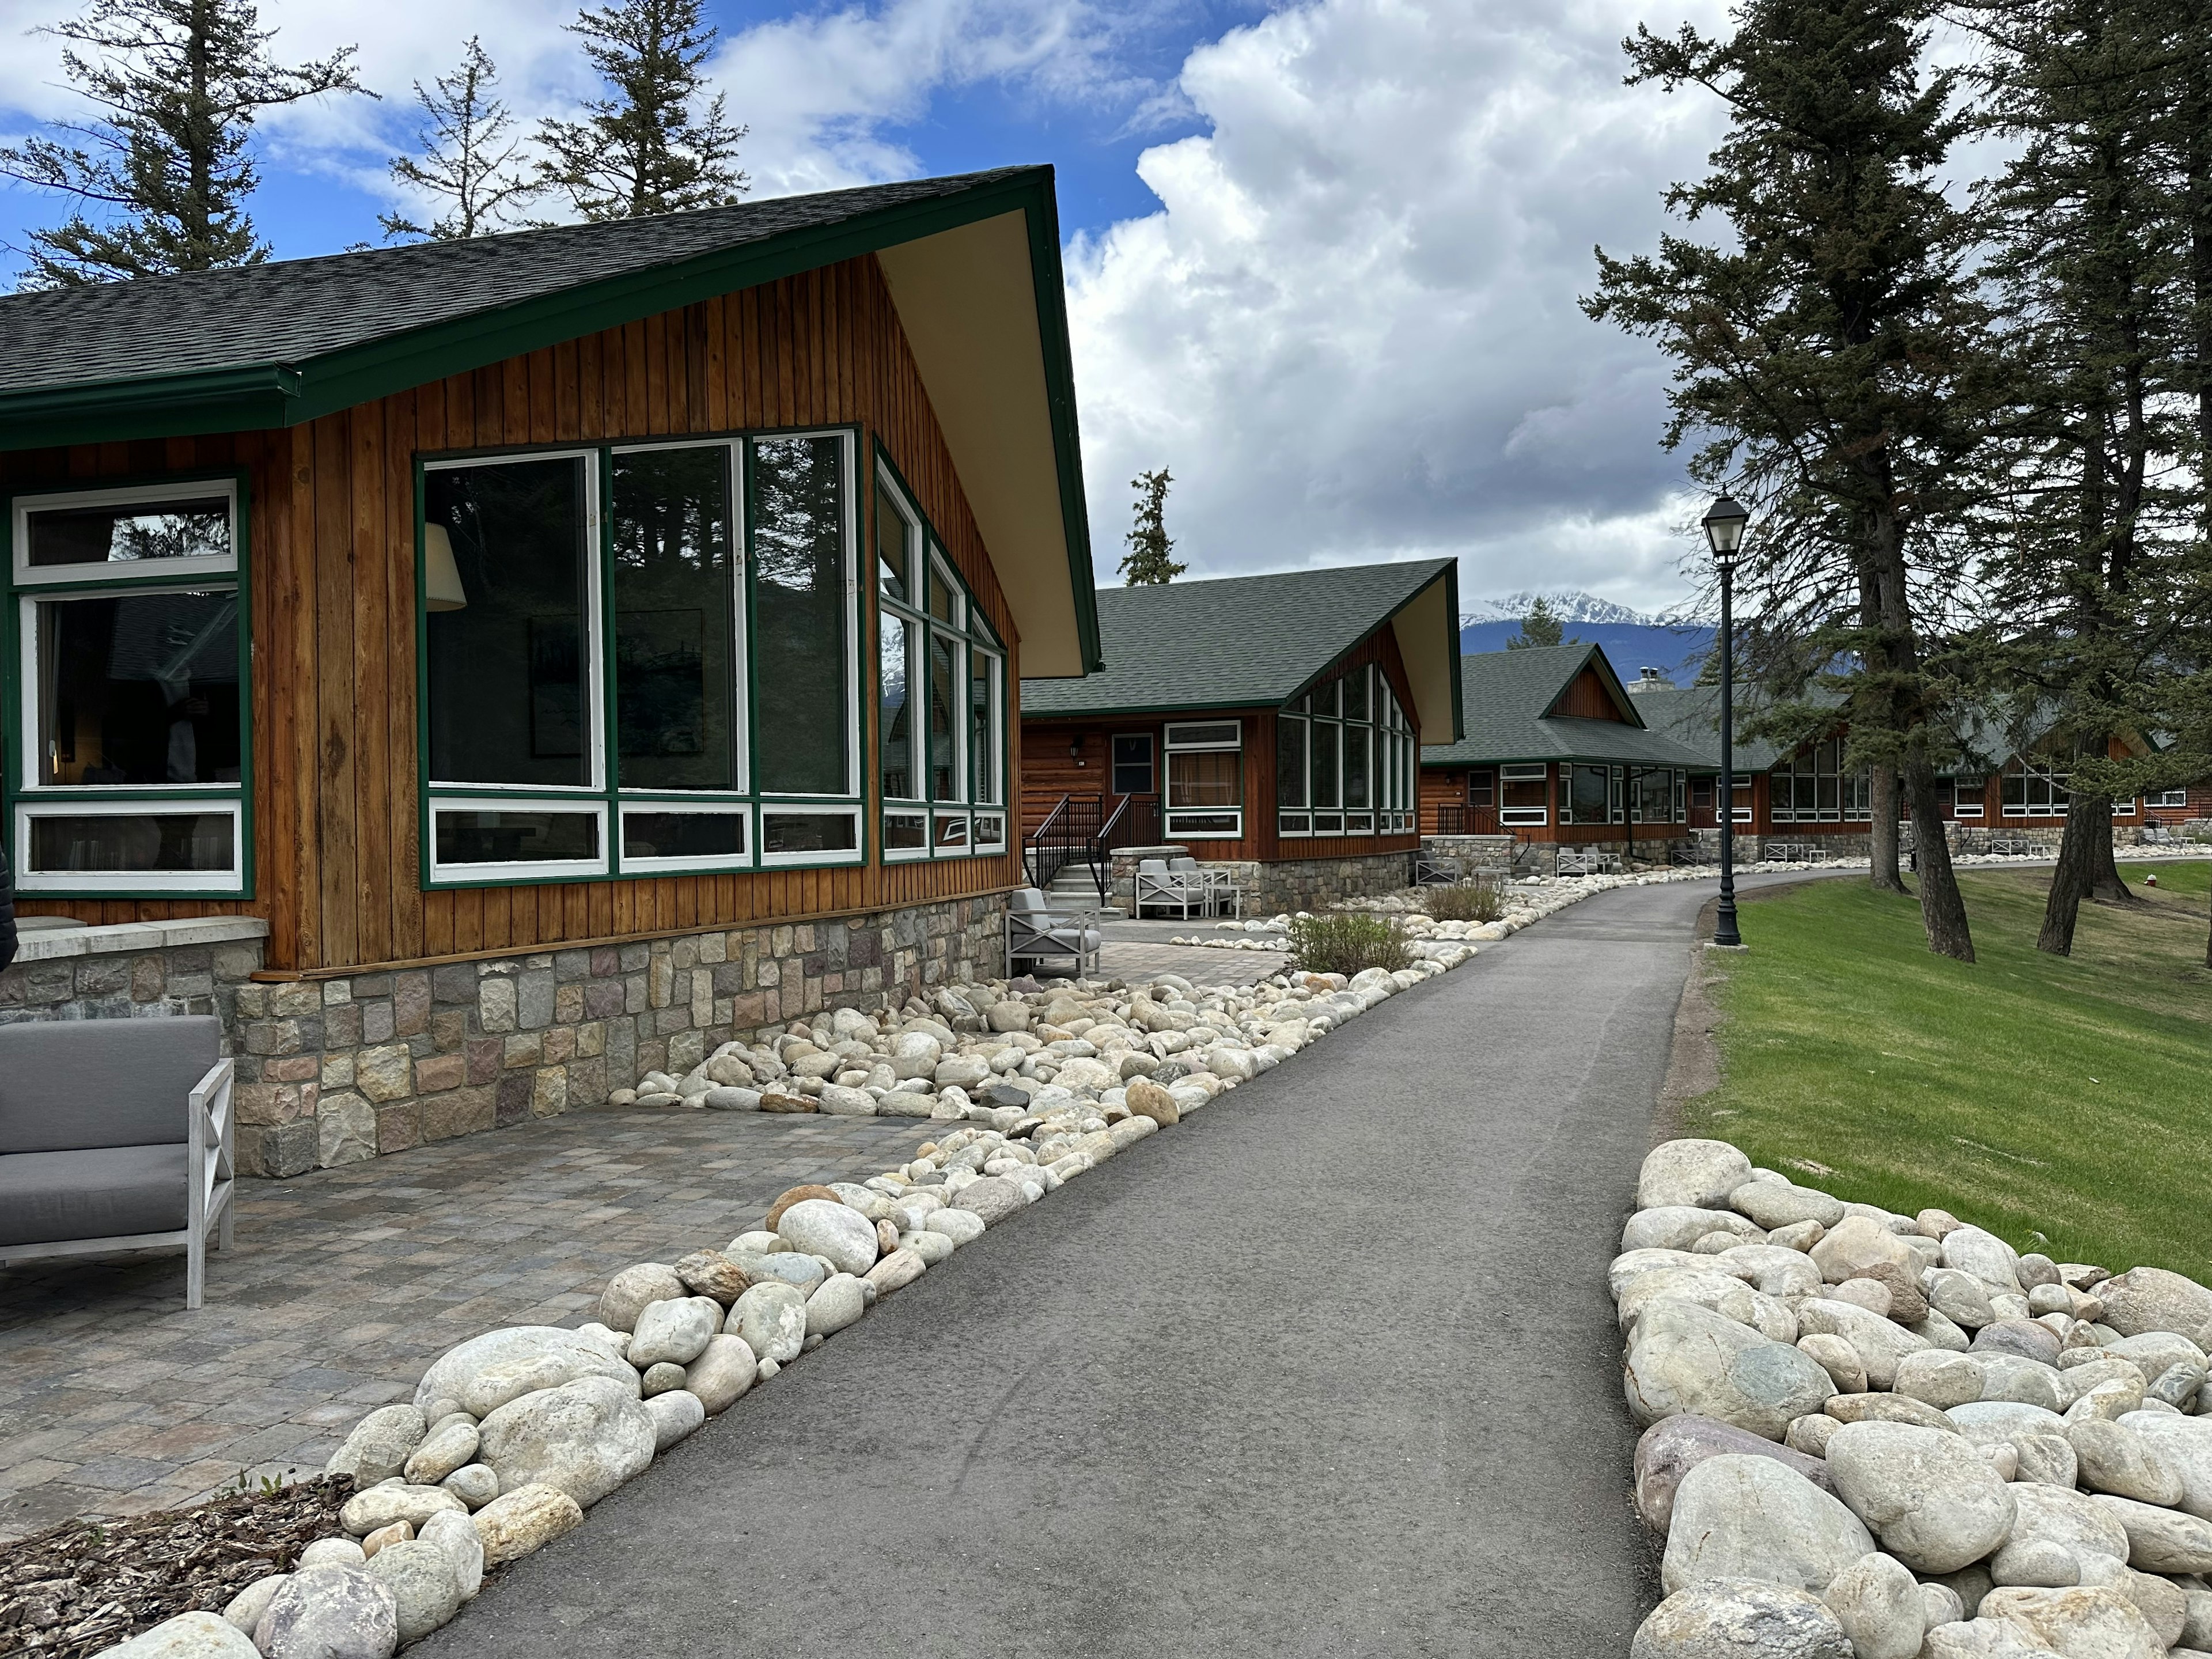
(1478, 899)
(1348, 942)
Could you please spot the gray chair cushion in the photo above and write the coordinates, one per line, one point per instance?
(67, 1085)
(110, 1192)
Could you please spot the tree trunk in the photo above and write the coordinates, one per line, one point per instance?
(1942, 910)
(2088, 823)
(1882, 794)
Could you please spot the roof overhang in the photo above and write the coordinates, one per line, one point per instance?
(977, 281)
(1427, 627)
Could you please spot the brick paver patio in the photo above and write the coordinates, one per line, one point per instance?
(345, 1283)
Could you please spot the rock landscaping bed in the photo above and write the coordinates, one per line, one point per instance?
(513, 1435)
(1874, 1436)
(74, 1589)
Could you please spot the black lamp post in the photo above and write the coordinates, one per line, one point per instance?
(1724, 534)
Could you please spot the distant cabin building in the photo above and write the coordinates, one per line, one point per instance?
(1268, 726)
(1554, 754)
(484, 672)
(1999, 791)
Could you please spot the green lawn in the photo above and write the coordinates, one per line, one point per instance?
(2064, 1102)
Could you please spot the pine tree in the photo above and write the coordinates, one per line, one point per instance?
(648, 147)
(465, 161)
(2090, 260)
(1540, 627)
(164, 163)
(1827, 353)
(1149, 562)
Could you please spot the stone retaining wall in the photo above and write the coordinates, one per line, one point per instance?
(1315, 884)
(1474, 852)
(132, 970)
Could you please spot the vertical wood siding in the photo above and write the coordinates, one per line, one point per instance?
(331, 534)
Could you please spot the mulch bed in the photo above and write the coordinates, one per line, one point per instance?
(75, 1589)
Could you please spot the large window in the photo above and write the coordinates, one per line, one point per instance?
(1589, 794)
(2031, 790)
(1655, 795)
(640, 659)
(1344, 759)
(131, 699)
(940, 689)
(1523, 797)
(1206, 780)
(1811, 787)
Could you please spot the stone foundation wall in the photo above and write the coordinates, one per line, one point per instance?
(333, 1071)
(134, 970)
(1474, 852)
(1315, 883)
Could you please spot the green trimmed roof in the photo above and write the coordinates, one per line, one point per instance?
(1503, 695)
(276, 344)
(1691, 715)
(1238, 642)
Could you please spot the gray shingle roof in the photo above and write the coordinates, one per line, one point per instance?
(291, 310)
(1232, 642)
(1503, 695)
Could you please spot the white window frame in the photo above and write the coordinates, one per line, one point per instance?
(33, 794)
(30, 575)
(811, 804)
(1749, 810)
(2165, 798)
(1177, 821)
(1965, 805)
(1520, 817)
(2055, 790)
(208, 883)
(683, 805)
(977, 819)
(519, 870)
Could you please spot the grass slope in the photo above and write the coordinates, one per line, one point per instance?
(2065, 1103)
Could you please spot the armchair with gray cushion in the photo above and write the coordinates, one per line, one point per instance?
(1037, 933)
(115, 1135)
(1160, 887)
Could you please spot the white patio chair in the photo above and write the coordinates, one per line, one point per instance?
(1037, 933)
(1158, 885)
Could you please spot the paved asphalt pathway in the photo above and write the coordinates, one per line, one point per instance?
(1329, 1369)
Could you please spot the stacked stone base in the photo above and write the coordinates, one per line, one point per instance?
(1315, 884)
(1474, 852)
(332, 1071)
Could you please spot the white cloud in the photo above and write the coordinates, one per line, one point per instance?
(1352, 329)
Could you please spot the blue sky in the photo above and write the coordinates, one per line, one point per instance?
(1323, 258)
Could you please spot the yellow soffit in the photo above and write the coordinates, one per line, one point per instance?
(1428, 640)
(968, 301)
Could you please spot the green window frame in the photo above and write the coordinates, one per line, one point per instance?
(937, 648)
(751, 553)
(75, 836)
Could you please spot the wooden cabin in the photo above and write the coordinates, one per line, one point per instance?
(1267, 724)
(487, 671)
(1806, 798)
(1555, 754)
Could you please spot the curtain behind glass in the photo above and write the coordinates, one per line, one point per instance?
(799, 617)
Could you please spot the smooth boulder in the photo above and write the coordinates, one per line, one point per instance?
(1741, 1620)
(1931, 1498)
(380, 1445)
(425, 1585)
(771, 1318)
(2080, 1623)
(2147, 1299)
(633, 1288)
(2160, 1540)
(1737, 1516)
(1699, 1174)
(330, 1612)
(485, 1373)
(1671, 1447)
(516, 1523)
(832, 1230)
(1687, 1358)
(1878, 1603)
(585, 1437)
(188, 1636)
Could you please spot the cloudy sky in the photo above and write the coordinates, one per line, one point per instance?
(1322, 258)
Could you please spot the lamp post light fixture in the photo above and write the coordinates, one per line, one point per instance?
(1723, 527)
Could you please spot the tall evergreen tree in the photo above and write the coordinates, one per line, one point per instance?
(1149, 561)
(163, 165)
(465, 161)
(1825, 355)
(2090, 259)
(649, 146)
(1540, 627)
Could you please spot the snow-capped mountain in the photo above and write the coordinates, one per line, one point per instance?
(1568, 605)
